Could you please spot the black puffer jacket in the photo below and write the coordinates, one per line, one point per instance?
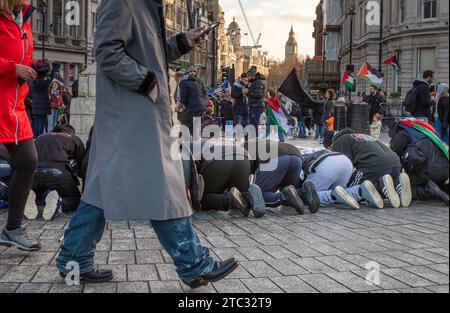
(424, 102)
(420, 158)
(257, 92)
(39, 94)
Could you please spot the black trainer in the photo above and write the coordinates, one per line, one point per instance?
(219, 271)
(310, 196)
(94, 276)
(255, 200)
(238, 202)
(435, 191)
(291, 198)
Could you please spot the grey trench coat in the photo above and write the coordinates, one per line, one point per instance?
(131, 174)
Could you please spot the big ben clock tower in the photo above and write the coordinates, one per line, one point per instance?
(291, 51)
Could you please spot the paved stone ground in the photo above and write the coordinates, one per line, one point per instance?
(282, 252)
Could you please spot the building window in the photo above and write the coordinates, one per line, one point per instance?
(401, 11)
(426, 60)
(429, 9)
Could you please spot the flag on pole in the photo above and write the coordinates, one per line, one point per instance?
(348, 80)
(395, 63)
(371, 75)
(277, 116)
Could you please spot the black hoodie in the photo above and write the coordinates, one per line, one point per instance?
(424, 102)
(366, 153)
(56, 149)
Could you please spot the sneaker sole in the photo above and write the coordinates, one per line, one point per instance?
(300, 207)
(31, 211)
(259, 205)
(392, 195)
(312, 198)
(50, 207)
(237, 202)
(345, 198)
(406, 195)
(371, 195)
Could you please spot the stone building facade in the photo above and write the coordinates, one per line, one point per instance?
(68, 48)
(417, 31)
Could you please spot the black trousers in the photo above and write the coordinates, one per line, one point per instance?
(219, 176)
(63, 182)
(418, 184)
(376, 178)
(24, 163)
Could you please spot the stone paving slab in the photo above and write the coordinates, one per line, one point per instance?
(282, 252)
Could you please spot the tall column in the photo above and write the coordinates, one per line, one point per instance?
(83, 19)
(66, 28)
(66, 74)
(49, 16)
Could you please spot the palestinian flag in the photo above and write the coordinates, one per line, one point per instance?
(277, 117)
(348, 80)
(427, 130)
(371, 75)
(395, 63)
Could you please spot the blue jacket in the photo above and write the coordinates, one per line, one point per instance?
(191, 95)
(240, 101)
(39, 95)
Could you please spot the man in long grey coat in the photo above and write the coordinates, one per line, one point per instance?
(131, 173)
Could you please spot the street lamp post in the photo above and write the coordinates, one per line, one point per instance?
(43, 9)
(324, 35)
(351, 12)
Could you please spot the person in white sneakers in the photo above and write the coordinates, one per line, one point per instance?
(55, 183)
(374, 162)
(330, 172)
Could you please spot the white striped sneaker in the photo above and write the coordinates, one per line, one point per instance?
(51, 206)
(31, 209)
(389, 191)
(404, 190)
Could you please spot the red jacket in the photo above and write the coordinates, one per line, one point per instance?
(16, 47)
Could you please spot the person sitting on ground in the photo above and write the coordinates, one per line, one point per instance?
(330, 172)
(424, 157)
(375, 128)
(60, 153)
(278, 177)
(227, 179)
(375, 162)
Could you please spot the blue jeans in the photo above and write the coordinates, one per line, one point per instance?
(178, 237)
(280, 133)
(287, 173)
(6, 171)
(53, 119)
(38, 124)
(443, 133)
(320, 131)
(255, 117)
(302, 128)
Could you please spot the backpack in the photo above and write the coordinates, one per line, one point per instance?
(410, 103)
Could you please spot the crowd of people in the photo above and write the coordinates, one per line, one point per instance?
(120, 183)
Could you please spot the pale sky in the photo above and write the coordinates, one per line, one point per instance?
(274, 19)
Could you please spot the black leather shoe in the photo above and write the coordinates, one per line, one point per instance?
(219, 271)
(434, 191)
(291, 198)
(238, 202)
(94, 276)
(310, 196)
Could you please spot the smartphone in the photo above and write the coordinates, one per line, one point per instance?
(208, 30)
